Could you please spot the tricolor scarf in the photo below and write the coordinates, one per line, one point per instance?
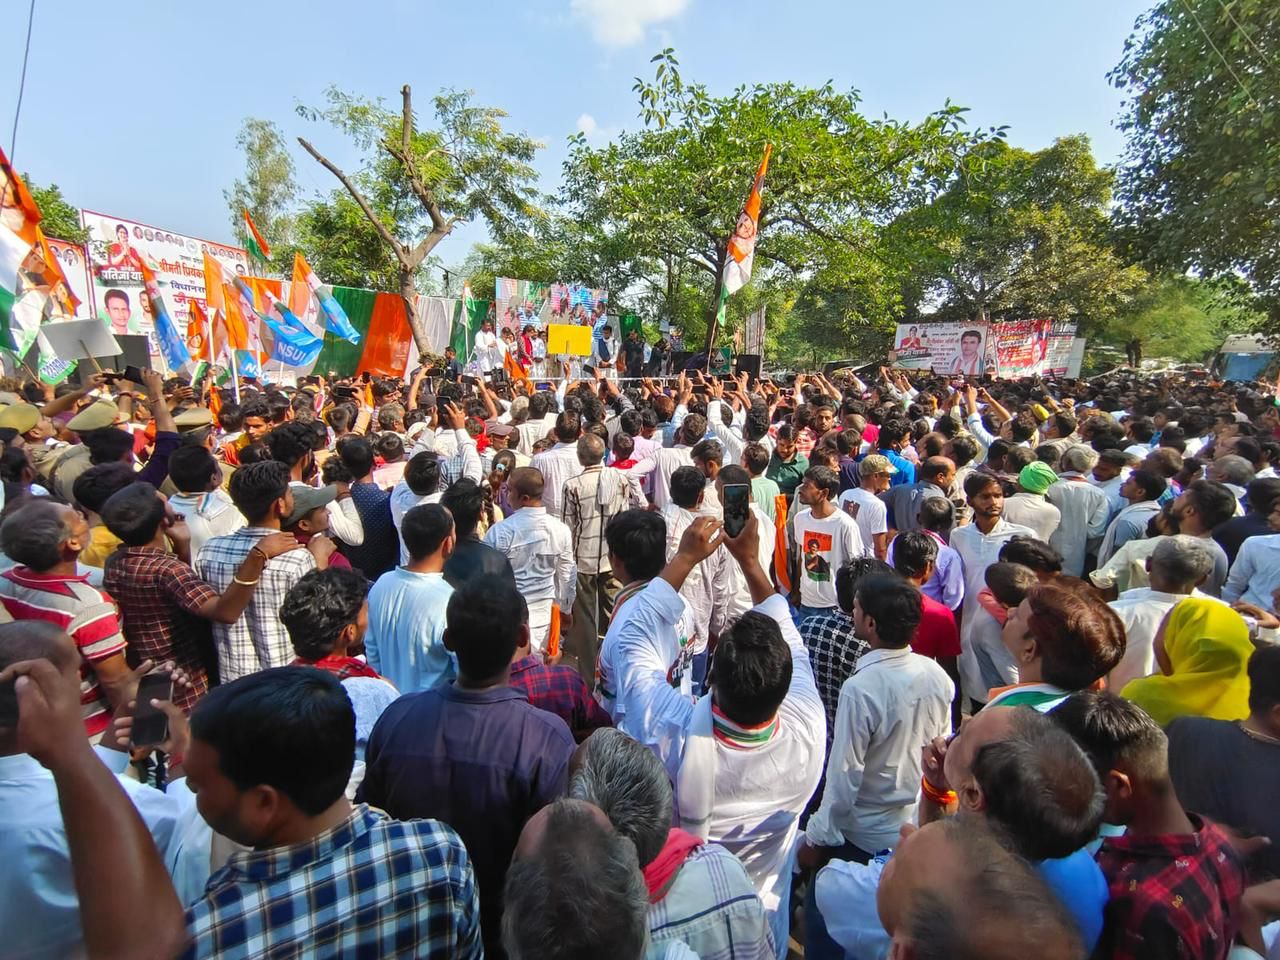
(741, 737)
(625, 594)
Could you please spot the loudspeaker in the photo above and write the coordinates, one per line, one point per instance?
(748, 363)
(133, 352)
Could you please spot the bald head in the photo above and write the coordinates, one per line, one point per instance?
(939, 471)
(526, 486)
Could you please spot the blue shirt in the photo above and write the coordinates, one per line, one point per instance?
(405, 639)
(482, 761)
(1079, 885)
(380, 550)
(906, 469)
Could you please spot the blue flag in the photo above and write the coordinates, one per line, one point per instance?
(173, 347)
(294, 344)
(335, 318)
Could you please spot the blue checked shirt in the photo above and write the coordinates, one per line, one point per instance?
(370, 887)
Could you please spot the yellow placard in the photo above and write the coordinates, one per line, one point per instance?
(566, 339)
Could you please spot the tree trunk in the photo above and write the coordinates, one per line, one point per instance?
(409, 293)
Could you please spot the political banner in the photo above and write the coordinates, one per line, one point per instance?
(116, 250)
(1017, 348)
(946, 348)
(1057, 360)
(526, 302)
(76, 269)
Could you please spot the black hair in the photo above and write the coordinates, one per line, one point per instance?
(1080, 639)
(893, 432)
(963, 449)
(1009, 582)
(1113, 730)
(1151, 483)
(639, 539)
(134, 514)
(465, 502)
(825, 479)
(483, 618)
(693, 428)
(319, 607)
(895, 606)
(390, 447)
(278, 407)
(1022, 427)
(1039, 785)
(1213, 501)
(339, 418)
(751, 671)
(1263, 493)
(977, 481)
(33, 533)
(357, 456)
(935, 514)
(108, 445)
(230, 416)
(291, 728)
(1031, 552)
(1264, 679)
(255, 406)
(96, 485)
(422, 473)
(290, 442)
(913, 551)
(756, 458)
(568, 427)
(255, 488)
(191, 468)
(851, 572)
(114, 294)
(686, 486)
(424, 528)
(734, 474)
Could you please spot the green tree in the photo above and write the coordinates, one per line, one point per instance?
(267, 189)
(468, 166)
(1200, 177)
(674, 187)
(1021, 234)
(342, 245)
(58, 218)
(1178, 317)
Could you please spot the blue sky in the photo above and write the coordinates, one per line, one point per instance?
(133, 108)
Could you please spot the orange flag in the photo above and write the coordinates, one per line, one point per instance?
(213, 283)
(237, 328)
(198, 332)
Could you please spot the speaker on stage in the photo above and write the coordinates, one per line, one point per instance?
(748, 363)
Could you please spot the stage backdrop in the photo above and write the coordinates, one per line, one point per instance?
(1010, 348)
(518, 302)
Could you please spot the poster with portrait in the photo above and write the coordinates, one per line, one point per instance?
(945, 348)
(518, 303)
(1017, 348)
(116, 250)
(1057, 359)
(76, 269)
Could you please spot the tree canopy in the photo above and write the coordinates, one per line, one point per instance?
(267, 189)
(58, 218)
(1201, 173)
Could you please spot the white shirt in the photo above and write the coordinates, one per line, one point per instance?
(1085, 510)
(895, 702)
(662, 463)
(977, 552)
(556, 465)
(344, 521)
(402, 501)
(487, 352)
(1034, 511)
(837, 541)
(39, 907)
(1141, 610)
(1129, 524)
(1127, 567)
(208, 515)
(709, 580)
(540, 549)
(868, 511)
(1255, 575)
(759, 792)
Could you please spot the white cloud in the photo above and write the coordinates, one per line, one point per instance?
(594, 132)
(622, 23)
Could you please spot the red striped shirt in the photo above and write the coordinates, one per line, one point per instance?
(84, 613)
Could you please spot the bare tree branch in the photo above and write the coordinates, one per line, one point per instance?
(396, 245)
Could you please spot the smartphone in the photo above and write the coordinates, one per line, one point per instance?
(133, 374)
(470, 381)
(150, 724)
(737, 507)
(543, 386)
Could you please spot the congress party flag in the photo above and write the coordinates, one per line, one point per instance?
(173, 347)
(741, 252)
(335, 318)
(199, 333)
(257, 246)
(33, 287)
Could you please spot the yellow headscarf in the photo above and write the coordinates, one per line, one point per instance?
(1208, 647)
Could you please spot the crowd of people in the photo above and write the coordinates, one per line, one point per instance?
(871, 665)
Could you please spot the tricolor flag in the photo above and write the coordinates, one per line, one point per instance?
(224, 304)
(304, 281)
(172, 346)
(258, 247)
(33, 287)
(742, 244)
